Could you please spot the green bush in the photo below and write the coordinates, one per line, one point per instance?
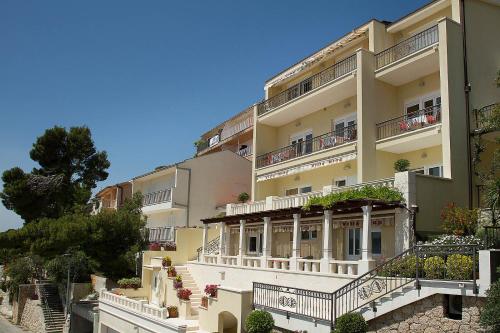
(459, 267)
(403, 267)
(351, 323)
(134, 283)
(259, 321)
(401, 165)
(243, 197)
(434, 267)
(490, 317)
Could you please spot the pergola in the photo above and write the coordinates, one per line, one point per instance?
(364, 206)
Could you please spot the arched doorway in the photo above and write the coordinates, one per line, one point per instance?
(227, 323)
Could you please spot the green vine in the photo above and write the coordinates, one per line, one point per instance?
(366, 192)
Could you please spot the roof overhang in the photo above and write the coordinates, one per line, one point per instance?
(418, 15)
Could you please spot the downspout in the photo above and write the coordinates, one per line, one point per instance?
(189, 193)
(467, 89)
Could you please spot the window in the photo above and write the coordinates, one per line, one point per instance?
(302, 142)
(376, 242)
(341, 182)
(423, 102)
(435, 171)
(411, 108)
(298, 190)
(340, 125)
(309, 235)
(453, 306)
(252, 244)
(354, 241)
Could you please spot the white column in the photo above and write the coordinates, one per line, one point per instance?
(267, 241)
(327, 242)
(204, 243)
(242, 243)
(366, 249)
(222, 238)
(295, 242)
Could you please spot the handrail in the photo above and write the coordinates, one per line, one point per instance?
(211, 247)
(318, 143)
(409, 122)
(406, 47)
(327, 75)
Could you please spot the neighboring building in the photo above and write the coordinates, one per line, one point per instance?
(181, 194)
(234, 134)
(336, 121)
(112, 197)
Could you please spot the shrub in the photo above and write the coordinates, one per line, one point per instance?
(80, 265)
(125, 283)
(459, 267)
(184, 294)
(211, 290)
(453, 240)
(459, 221)
(243, 197)
(259, 321)
(489, 315)
(166, 261)
(434, 267)
(403, 267)
(401, 165)
(351, 323)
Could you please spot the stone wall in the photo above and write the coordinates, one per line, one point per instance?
(428, 316)
(32, 317)
(26, 291)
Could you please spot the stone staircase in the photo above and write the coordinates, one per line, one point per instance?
(189, 283)
(52, 308)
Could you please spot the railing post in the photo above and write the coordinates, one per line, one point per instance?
(242, 243)
(204, 244)
(417, 257)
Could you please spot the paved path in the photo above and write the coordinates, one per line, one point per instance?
(7, 327)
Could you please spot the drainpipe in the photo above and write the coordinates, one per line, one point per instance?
(467, 89)
(189, 193)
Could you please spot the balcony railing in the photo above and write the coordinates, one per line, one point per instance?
(408, 46)
(325, 141)
(245, 151)
(339, 69)
(229, 131)
(484, 115)
(157, 197)
(202, 146)
(161, 235)
(409, 122)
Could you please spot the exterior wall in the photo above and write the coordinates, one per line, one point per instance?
(418, 158)
(216, 179)
(32, 317)
(422, 24)
(428, 315)
(26, 291)
(153, 183)
(114, 319)
(172, 217)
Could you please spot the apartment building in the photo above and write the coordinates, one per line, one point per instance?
(234, 134)
(338, 120)
(181, 194)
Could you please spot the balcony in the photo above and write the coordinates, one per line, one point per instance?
(410, 59)
(413, 131)
(485, 115)
(309, 86)
(245, 152)
(319, 143)
(158, 201)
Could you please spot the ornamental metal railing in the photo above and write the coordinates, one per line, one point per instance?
(157, 197)
(212, 247)
(402, 270)
(492, 237)
(409, 122)
(407, 47)
(484, 115)
(328, 75)
(324, 141)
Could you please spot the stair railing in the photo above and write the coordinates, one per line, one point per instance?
(212, 246)
(42, 294)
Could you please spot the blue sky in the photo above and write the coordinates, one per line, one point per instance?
(148, 77)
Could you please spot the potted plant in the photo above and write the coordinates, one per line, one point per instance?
(184, 294)
(166, 261)
(173, 312)
(171, 272)
(401, 165)
(243, 197)
(204, 302)
(154, 247)
(211, 290)
(178, 282)
(170, 246)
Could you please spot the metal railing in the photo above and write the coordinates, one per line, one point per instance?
(157, 197)
(161, 234)
(245, 151)
(333, 72)
(212, 247)
(301, 302)
(324, 141)
(390, 277)
(409, 122)
(484, 114)
(202, 146)
(492, 237)
(229, 131)
(408, 46)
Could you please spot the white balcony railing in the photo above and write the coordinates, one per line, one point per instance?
(245, 151)
(139, 306)
(157, 197)
(298, 200)
(229, 131)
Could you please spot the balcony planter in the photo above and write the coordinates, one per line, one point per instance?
(171, 272)
(204, 302)
(166, 262)
(211, 290)
(184, 294)
(173, 312)
(178, 282)
(154, 247)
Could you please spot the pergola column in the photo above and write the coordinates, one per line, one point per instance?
(222, 240)
(204, 242)
(295, 242)
(366, 262)
(327, 242)
(242, 243)
(267, 241)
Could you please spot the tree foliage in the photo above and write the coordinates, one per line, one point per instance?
(69, 168)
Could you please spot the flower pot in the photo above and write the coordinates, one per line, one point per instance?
(204, 302)
(173, 312)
